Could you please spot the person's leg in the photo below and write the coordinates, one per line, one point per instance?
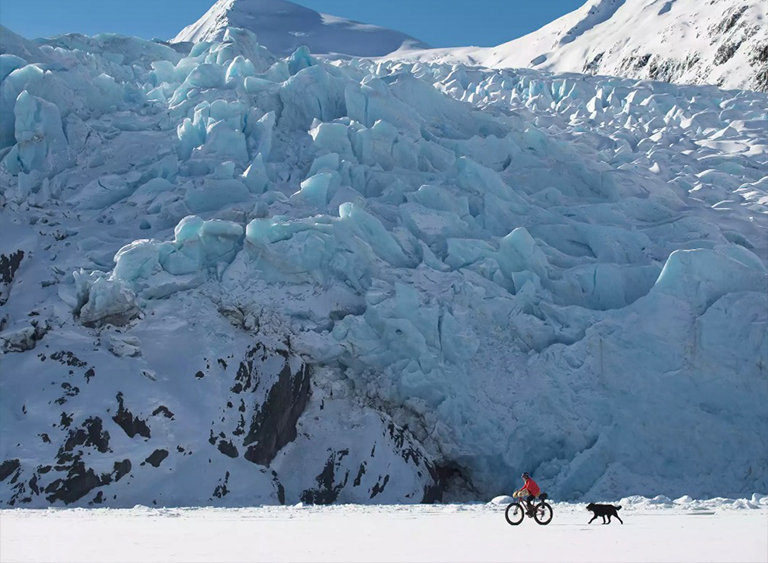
(529, 499)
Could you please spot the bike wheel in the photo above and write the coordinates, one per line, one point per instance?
(543, 513)
(514, 514)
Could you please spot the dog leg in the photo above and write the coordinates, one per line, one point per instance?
(620, 520)
(609, 518)
(593, 519)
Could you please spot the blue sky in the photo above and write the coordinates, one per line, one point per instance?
(441, 23)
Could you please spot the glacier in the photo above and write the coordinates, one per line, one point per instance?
(232, 277)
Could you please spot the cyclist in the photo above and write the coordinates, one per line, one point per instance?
(529, 491)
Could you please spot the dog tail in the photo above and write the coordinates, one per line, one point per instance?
(617, 507)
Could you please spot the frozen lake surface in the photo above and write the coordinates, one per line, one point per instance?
(382, 533)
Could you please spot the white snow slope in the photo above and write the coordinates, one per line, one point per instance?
(283, 26)
(653, 530)
(721, 42)
(231, 278)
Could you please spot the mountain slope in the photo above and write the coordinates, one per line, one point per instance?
(721, 42)
(230, 278)
(283, 26)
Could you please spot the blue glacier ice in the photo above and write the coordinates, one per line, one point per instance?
(393, 271)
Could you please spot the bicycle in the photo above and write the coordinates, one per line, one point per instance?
(541, 511)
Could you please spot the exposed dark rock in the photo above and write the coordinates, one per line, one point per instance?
(66, 420)
(121, 469)
(240, 430)
(399, 437)
(725, 52)
(247, 377)
(442, 476)
(221, 490)
(280, 488)
(274, 425)
(760, 59)
(89, 434)
(433, 494)
(641, 62)
(67, 358)
(8, 267)
(327, 490)
(761, 80)
(132, 425)
(592, 66)
(165, 411)
(360, 473)
(730, 20)
(199, 375)
(157, 457)
(78, 483)
(228, 449)
(69, 391)
(662, 69)
(8, 467)
(33, 485)
(760, 54)
(379, 486)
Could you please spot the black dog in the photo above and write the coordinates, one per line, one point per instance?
(604, 510)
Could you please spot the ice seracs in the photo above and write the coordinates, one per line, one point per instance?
(235, 277)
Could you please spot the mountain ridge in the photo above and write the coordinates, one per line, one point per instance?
(723, 43)
(283, 26)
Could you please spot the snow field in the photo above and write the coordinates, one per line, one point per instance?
(381, 533)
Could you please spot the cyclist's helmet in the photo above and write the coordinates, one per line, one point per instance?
(526, 475)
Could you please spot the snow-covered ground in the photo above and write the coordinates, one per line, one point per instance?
(716, 530)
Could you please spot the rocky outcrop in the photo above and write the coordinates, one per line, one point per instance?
(8, 266)
(273, 425)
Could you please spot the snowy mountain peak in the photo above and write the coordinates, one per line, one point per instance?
(283, 26)
(591, 14)
(721, 42)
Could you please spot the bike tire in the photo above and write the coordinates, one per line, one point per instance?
(514, 514)
(543, 513)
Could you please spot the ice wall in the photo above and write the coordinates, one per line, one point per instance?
(487, 271)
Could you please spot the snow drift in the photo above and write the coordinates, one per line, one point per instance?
(232, 278)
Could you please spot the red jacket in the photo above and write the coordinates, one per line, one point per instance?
(532, 487)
